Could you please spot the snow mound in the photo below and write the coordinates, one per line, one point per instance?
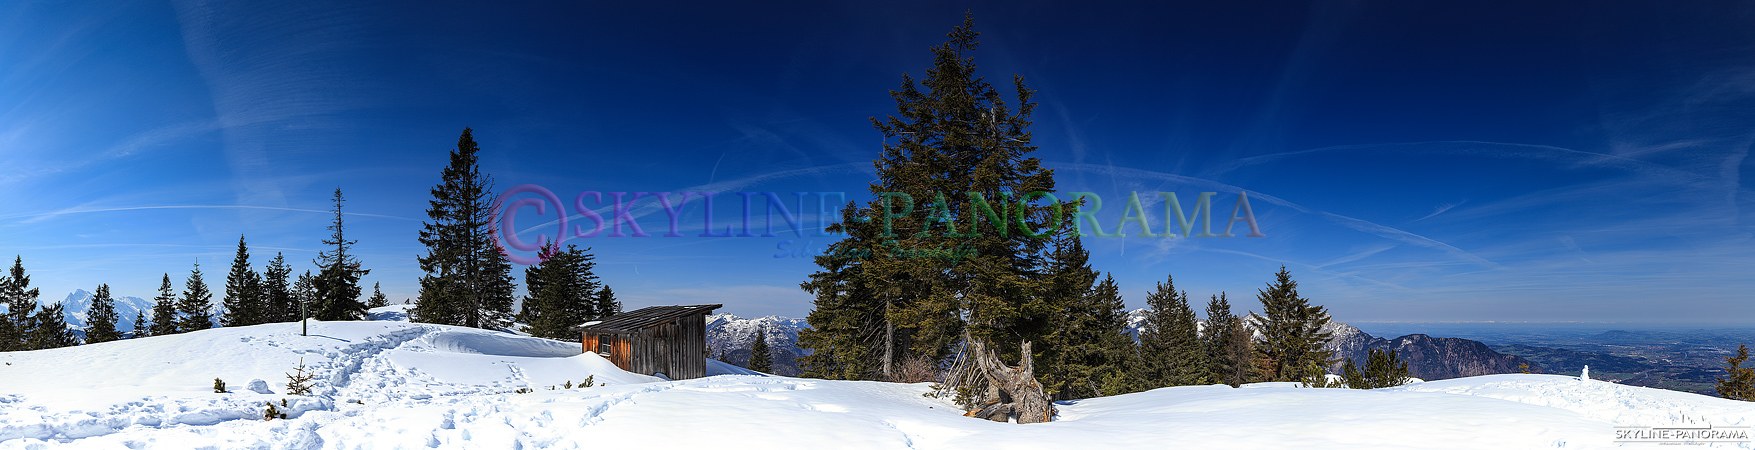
(391, 313)
(500, 345)
(717, 367)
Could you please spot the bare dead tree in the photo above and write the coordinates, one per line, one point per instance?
(1011, 392)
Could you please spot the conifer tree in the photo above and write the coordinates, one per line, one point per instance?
(1292, 336)
(1068, 282)
(50, 330)
(337, 285)
(100, 318)
(141, 326)
(278, 303)
(304, 294)
(1240, 354)
(849, 331)
(604, 304)
(1382, 369)
(760, 358)
(960, 152)
(1170, 347)
(20, 300)
(467, 282)
(1088, 354)
(164, 310)
(563, 291)
(1739, 381)
(1100, 359)
(1216, 339)
(243, 296)
(378, 299)
(193, 307)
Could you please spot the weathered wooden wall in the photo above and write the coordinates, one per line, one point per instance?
(676, 348)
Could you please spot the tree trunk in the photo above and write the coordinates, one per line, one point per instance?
(1012, 391)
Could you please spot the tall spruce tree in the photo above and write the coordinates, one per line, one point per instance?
(1216, 341)
(164, 309)
(51, 330)
(1292, 337)
(243, 296)
(100, 317)
(562, 293)
(1098, 358)
(193, 308)
(761, 359)
(378, 299)
(1170, 348)
(849, 331)
(959, 155)
(338, 282)
(467, 282)
(278, 303)
(1088, 354)
(21, 301)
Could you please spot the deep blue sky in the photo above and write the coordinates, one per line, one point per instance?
(1408, 161)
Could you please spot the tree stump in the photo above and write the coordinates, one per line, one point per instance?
(1011, 391)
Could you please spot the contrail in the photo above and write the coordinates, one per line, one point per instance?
(38, 217)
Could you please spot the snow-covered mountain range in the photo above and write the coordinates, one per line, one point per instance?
(78, 304)
(729, 338)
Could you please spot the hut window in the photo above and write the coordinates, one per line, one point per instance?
(603, 346)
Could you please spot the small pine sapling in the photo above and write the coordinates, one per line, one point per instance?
(569, 385)
(218, 386)
(589, 381)
(299, 382)
(1318, 377)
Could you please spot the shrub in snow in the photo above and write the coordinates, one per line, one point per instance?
(218, 386)
(272, 412)
(589, 380)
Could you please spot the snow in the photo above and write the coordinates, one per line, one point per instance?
(392, 384)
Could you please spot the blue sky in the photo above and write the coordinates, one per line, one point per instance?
(1407, 161)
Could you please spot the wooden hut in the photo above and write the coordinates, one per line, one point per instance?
(671, 340)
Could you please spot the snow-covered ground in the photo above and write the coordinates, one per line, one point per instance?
(392, 384)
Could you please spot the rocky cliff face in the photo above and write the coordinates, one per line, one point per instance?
(1433, 358)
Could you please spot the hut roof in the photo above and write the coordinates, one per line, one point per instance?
(648, 316)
